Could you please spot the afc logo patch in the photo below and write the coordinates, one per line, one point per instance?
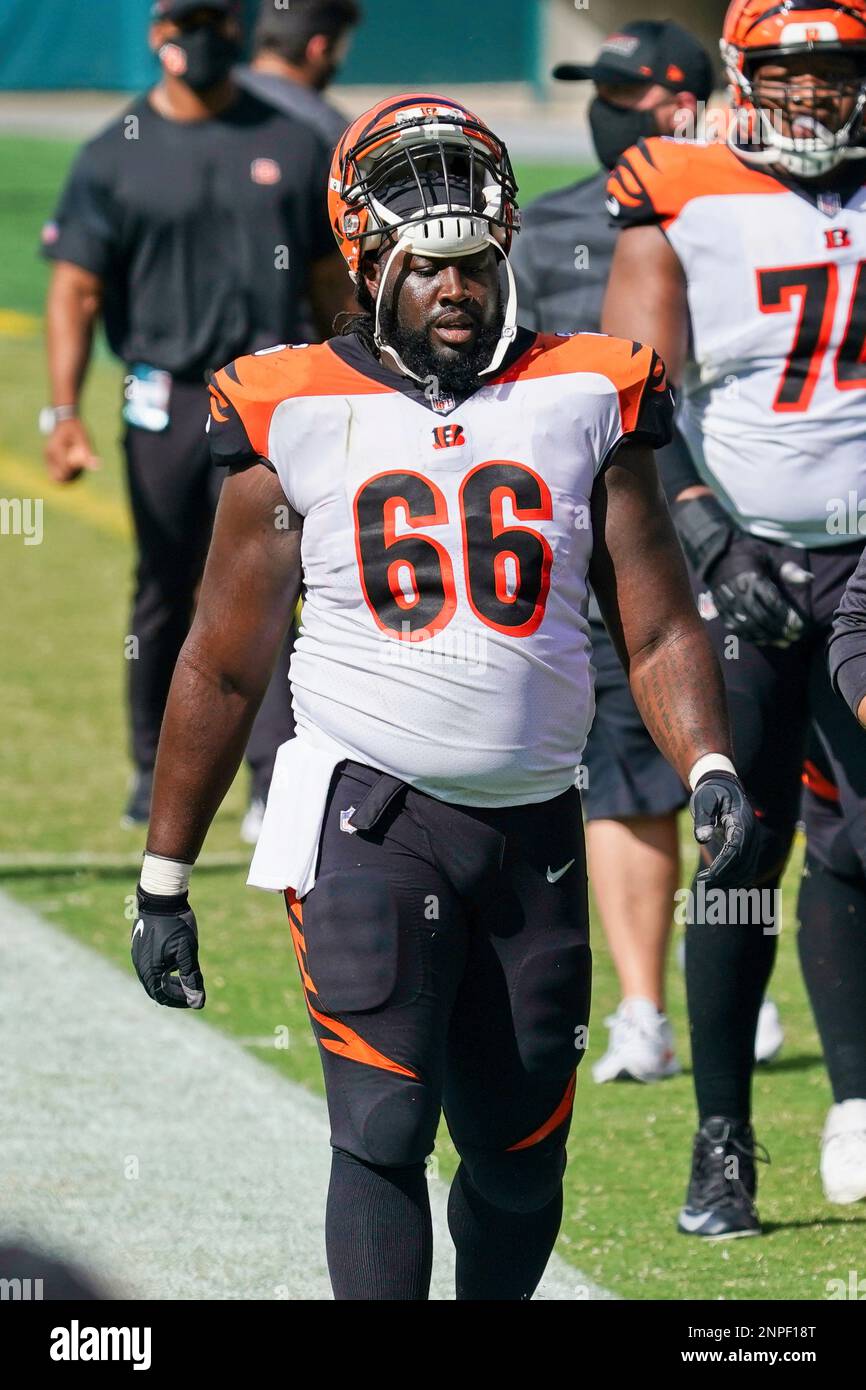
(265, 171)
(448, 436)
(836, 237)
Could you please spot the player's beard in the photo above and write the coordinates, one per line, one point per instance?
(455, 374)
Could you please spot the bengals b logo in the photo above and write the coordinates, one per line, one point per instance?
(448, 436)
(836, 237)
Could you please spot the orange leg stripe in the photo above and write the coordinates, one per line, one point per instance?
(351, 1046)
(301, 953)
(815, 780)
(559, 1116)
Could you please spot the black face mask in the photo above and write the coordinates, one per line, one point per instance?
(614, 128)
(210, 57)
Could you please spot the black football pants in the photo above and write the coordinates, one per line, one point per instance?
(783, 712)
(444, 953)
(173, 489)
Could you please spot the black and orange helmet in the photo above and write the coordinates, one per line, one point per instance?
(424, 164)
(759, 31)
(425, 174)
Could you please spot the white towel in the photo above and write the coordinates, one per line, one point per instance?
(288, 845)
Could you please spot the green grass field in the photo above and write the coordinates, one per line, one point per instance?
(63, 782)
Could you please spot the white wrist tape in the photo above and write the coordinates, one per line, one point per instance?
(710, 762)
(164, 877)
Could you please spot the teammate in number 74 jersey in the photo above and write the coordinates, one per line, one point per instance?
(753, 252)
(444, 483)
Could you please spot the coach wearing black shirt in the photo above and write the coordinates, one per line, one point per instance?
(297, 52)
(196, 225)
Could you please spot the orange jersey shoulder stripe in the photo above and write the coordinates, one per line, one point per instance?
(660, 176)
(257, 384)
(631, 367)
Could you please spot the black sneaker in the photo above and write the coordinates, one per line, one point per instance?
(720, 1202)
(138, 806)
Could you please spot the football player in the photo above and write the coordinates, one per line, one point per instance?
(847, 650)
(743, 263)
(446, 482)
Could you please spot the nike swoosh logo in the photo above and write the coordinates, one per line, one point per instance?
(555, 877)
(139, 927)
(694, 1223)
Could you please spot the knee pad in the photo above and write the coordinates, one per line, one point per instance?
(517, 1182)
(399, 1129)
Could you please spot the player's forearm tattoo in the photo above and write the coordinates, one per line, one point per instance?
(678, 689)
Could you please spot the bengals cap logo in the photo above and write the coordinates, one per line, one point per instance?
(173, 59)
(265, 171)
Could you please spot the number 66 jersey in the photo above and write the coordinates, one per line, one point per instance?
(445, 549)
(773, 402)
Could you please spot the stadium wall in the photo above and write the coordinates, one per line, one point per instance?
(54, 45)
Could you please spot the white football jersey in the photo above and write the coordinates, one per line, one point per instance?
(445, 549)
(773, 404)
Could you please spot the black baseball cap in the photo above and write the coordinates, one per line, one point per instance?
(649, 50)
(176, 9)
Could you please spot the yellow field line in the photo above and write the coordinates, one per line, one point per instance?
(28, 478)
(17, 325)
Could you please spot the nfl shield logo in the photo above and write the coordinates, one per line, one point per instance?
(829, 203)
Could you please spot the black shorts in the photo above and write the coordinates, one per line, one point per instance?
(626, 775)
(444, 953)
(784, 713)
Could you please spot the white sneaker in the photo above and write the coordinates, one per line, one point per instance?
(769, 1034)
(843, 1153)
(641, 1046)
(251, 825)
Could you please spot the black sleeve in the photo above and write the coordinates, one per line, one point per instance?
(676, 467)
(85, 229)
(847, 650)
(654, 422)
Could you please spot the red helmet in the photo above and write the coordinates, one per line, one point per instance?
(759, 31)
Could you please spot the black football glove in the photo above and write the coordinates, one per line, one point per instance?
(725, 822)
(165, 939)
(755, 595)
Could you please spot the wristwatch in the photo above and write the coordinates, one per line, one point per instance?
(53, 415)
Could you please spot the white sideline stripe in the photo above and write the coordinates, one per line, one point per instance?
(232, 1158)
(26, 862)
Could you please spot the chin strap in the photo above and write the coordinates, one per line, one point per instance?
(509, 322)
(402, 244)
